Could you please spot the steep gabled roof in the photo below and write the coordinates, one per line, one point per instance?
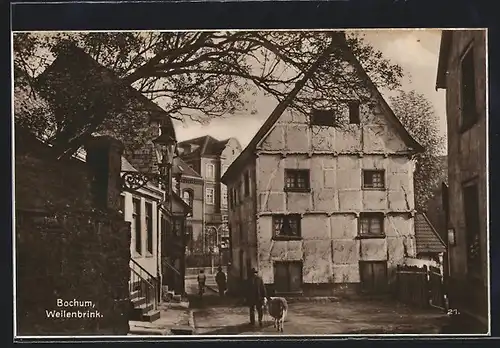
(274, 117)
(207, 145)
(75, 78)
(181, 167)
(426, 236)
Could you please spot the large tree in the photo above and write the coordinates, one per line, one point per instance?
(418, 116)
(202, 75)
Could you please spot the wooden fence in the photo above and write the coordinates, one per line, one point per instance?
(420, 286)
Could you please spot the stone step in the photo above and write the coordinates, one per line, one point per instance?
(151, 316)
(143, 309)
(134, 294)
(138, 301)
(182, 330)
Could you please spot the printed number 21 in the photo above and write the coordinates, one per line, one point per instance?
(453, 312)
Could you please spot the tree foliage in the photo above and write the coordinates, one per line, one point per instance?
(418, 116)
(201, 75)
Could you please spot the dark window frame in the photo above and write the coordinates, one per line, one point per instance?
(370, 186)
(323, 118)
(296, 175)
(469, 115)
(190, 192)
(224, 194)
(164, 235)
(354, 112)
(286, 219)
(246, 178)
(210, 189)
(369, 234)
(136, 220)
(149, 227)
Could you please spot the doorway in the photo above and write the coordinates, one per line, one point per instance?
(288, 276)
(373, 276)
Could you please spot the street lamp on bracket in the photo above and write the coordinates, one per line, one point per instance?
(165, 146)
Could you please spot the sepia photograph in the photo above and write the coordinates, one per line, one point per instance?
(223, 183)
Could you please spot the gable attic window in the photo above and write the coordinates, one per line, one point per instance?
(354, 117)
(469, 115)
(323, 118)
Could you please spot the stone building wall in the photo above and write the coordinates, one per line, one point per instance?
(242, 224)
(196, 219)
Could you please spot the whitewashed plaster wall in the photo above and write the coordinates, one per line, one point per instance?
(329, 248)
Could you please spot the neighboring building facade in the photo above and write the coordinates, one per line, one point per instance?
(153, 209)
(462, 72)
(324, 203)
(210, 158)
(189, 186)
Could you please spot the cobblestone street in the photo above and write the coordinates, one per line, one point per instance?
(324, 317)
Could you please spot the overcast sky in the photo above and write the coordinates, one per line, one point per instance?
(416, 51)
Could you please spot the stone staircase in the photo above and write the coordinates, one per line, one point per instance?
(142, 311)
(171, 296)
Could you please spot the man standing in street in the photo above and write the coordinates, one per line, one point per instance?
(256, 295)
(220, 279)
(201, 282)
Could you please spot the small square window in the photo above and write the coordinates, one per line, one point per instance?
(286, 226)
(371, 224)
(297, 180)
(374, 179)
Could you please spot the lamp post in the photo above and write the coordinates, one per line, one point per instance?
(165, 146)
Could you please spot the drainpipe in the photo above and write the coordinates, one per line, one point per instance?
(158, 251)
(203, 220)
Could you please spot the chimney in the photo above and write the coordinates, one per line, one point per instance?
(104, 159)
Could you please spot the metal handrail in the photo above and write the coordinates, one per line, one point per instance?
(173, 268)
(142, 268)
(142, 278)
(149, 281)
